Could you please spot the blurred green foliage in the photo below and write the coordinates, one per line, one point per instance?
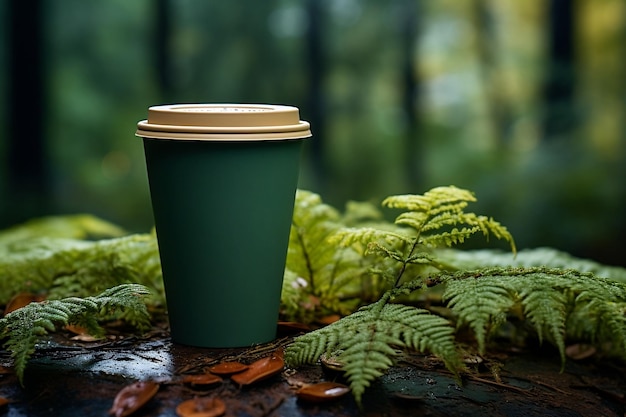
(477, 122)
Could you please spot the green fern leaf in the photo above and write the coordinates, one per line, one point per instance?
(546, 308)
(322, 276)
(25, 326)
(422, 331)
(600, 321)
(368, 356)
(366, 235)
(454, 237)
(443, 207)
(481, 303)
(559, 303)
(69, 267)
(537, 257)
(79, 226)
(439, 221)
(414, 219)
(367, 340)
(600, 314)
(436, 200)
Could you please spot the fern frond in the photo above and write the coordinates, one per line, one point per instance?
(368, 356)
(557, 302)
(365, 235)
(367, 340)
(307, 349)
(451, 238)
(25, 326)
(423, 332)
(433, 214)
(571, 293)
(79, 226)
(546, 309)
(375, 248)
(434, 201)
(600, 314)
(69, 267)
(481, 303)
(600, 321)
(415, 219)
(323, 276)
(474, 223)
(439, 221)
(312, 223)
(537, 257)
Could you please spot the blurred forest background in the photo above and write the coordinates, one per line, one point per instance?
(523, 102)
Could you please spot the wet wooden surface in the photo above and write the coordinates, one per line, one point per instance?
(68, 378)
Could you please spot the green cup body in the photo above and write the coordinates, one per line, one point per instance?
(222, 213)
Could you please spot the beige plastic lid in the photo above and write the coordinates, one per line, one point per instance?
(223, 122)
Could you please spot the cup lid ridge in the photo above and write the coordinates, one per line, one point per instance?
(223, 121)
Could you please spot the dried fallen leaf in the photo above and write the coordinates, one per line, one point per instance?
(86, 338)
(202, 379)
(76, 329)
(228, 368)
(3, 402)
(20, 300)
(201, 407)
(580, 351)
(133, 397)
(330, 319)
(323, 391)
(289, 327)
(82, 335)
(261, 369)
(5, 371)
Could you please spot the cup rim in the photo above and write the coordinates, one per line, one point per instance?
(223, 122)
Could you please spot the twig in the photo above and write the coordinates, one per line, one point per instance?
(499, 384)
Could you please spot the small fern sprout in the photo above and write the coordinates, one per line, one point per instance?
(430, 221)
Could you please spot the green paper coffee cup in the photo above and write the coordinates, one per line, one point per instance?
(222, 183)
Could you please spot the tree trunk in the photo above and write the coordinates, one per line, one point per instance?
(162, 57)
(409, 24)
(315, 106)
(499, 110)
(27, 171)
(559, 114)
